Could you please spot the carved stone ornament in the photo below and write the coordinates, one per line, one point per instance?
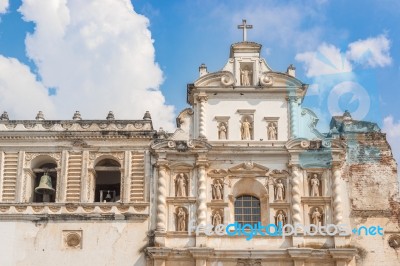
(138, 125)
(72, 239)
(248, 262)
(266, 80)
(394, 241)
(227, 80)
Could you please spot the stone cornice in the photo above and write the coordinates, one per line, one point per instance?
(74, 211)
(75, 125)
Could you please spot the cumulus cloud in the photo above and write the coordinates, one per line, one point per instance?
(3, 6)
(328, 59)
(98, 56)
(392, 130)
(325, 61)
(21, 94)
(371, 52)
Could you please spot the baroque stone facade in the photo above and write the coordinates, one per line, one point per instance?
(117, 192)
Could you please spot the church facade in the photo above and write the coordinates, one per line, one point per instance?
(246, 179)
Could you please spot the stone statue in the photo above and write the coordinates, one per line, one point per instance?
(279, 190)
(217, 219)
(217, 190)
(246, 135)
(181, 217)
(180, 186)
(222, 131)
(272, 131)
(245, 74)
(314, 182)
(280, 219)
(316, 217)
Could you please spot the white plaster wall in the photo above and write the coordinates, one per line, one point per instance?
(103, 243)
(271, 107)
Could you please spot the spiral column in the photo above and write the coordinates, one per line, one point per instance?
(337, 201)
(202, 196)
(202, 99)
(296, 195)
(292, 106)
(161, 198)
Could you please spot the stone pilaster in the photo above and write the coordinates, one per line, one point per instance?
(202, 99)
(293, 117)
(85, 177)
(62, 178)
(1, 175)
(20, 186)
(126, 174)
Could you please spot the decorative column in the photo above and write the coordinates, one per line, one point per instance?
(161, 197)
(293, 120)
(202, 195)
(296, 195)
(202, 99)
(337, 201)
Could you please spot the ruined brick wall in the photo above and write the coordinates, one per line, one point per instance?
(371, 171)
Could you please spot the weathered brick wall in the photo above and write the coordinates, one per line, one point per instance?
(371, 171)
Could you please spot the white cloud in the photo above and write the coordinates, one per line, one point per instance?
(20, 93)
(99, 56)
(392, 130)
(3, 6)
(326, 60)
(372, 52)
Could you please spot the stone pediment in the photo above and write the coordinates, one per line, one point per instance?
(249, 168)
(216, 79)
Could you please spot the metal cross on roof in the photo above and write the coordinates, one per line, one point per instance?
(244, 27)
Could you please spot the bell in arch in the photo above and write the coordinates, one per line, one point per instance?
(45, 185)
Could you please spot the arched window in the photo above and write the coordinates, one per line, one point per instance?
(45, 183)
(108, 181)
(247, 210)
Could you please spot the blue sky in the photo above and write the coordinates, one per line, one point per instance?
(129, 57)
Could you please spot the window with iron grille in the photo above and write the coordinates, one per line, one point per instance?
(247, 210)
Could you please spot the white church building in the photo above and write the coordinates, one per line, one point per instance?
(246, 179)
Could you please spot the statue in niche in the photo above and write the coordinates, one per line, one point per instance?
(314, 185)
(222, 131)
(245, 130)
(217, 219)
(279, 190)
(272, 131)
(180, 185)
(280, 218)
(245, 75)
(316, 217)
(181, 219)
(217, 190)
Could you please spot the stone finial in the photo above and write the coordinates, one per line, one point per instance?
(203, 70)
(147, 116)
(110, 116)
(291, 70)
(347, 115)
(4, 116)
(77, 116)
(40, 116)
(161, 133)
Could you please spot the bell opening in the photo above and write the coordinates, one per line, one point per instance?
(108, 181)
(45, 183)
